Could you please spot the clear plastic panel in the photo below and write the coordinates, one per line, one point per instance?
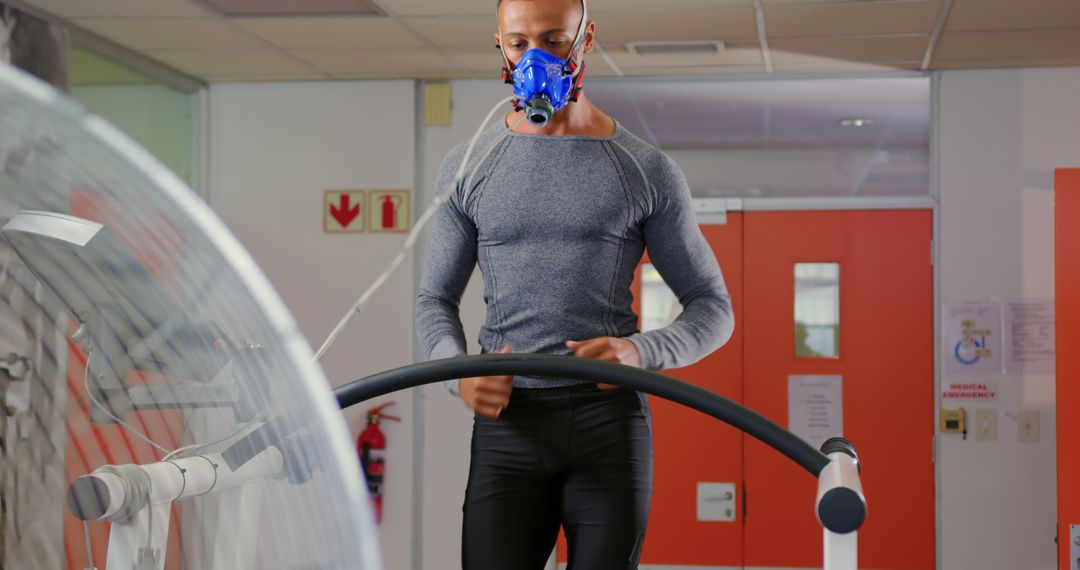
(659, 306)
(783, 138)
(817, 310)
(123, 297)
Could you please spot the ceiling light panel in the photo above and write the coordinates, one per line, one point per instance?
(734, 53)
(689, 48)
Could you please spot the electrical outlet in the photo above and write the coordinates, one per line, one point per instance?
(1028, 425)
(986, 425)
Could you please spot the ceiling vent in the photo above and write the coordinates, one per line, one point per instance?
(646, 49)
(294, 8)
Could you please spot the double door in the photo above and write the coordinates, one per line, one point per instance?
(834, 333)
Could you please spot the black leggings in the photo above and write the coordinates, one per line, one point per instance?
(579, 457)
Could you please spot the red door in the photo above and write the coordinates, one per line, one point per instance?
(884, 356)
(885, 361)
(690, 447)
(1067, 277)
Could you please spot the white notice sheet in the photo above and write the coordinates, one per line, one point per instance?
(816, 407)
(1029, 331)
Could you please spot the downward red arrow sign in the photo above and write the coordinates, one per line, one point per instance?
(345, 215)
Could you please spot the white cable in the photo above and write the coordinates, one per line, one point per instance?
(243, 430)
(90, 395)
(89, 547)
(247, 427)
(411, 239)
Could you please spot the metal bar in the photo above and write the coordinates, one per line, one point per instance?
(935, 192)
(588, 370)
(841, 551)
(838, 203)
(794, 76)
(935, 35)
(763, 38)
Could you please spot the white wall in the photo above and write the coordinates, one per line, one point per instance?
(447, 423)
(274, 149)
(1001, 135)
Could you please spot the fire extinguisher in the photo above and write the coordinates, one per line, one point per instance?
(371, 446)
(389, 211)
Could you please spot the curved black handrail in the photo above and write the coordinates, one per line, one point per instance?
(589, 370)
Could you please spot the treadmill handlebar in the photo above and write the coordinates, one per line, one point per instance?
(588, 370)
(841, 504)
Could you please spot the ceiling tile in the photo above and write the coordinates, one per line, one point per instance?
(969, 15)
(426, 74)
(476, 32)
(228, 62)
(735, 53)
(170, 34)
(808, 2)
(694, 71)
(331, 32)
(260, 77)
(70, 9)
(651, 5)
(907, 47)
(828, 65)
(487, 65)
(439, 7)
(850, 18)
(487, 7)
(337, 61)
(722, 24)
(999, 63)
(470, 32)
(276, 8)
(1007, 44)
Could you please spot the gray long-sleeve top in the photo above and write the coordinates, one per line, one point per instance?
(558, 225)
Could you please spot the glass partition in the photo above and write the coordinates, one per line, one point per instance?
(783, 138)
(817, 310)
(160, 118)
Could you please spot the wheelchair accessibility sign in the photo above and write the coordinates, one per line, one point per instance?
(973, 337)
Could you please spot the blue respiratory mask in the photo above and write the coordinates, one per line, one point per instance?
(544, 83)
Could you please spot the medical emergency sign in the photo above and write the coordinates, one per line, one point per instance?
(968, 390)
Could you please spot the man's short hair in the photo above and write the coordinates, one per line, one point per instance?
(499, 3)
